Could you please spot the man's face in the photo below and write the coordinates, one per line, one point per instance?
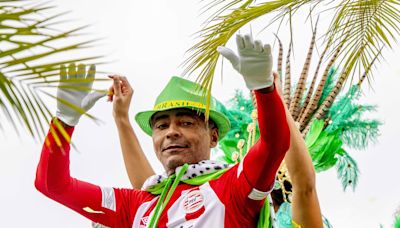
(181, 136)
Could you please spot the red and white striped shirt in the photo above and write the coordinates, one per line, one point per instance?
(233, 200)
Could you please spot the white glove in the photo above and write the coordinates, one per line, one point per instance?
(73, 93)
(254, 62)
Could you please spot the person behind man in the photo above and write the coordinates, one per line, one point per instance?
(194, 192)
(304, 207)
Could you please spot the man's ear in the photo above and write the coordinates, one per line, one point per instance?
(214, 136)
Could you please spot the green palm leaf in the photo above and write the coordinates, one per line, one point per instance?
(29, 42)
(364, 27)
(204, 56)
(360, 27)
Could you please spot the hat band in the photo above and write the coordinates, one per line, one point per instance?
(178, 103)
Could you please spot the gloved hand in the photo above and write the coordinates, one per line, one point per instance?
(74, 93)
(254, 62)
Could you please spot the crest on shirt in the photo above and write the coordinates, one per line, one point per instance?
(144, 221)
(194, 200)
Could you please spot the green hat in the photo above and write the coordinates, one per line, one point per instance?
(182, 93)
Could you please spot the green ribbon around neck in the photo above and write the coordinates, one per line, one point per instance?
(169, 185)
(164, 198)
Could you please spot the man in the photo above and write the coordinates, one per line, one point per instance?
(194, 192)
(303, 211)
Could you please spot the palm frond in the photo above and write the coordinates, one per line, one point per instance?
(358, 30)
(204, 54)
(29, 42)
(370, 25)
(220, 6)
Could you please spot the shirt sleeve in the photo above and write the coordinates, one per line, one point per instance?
(263, 160)
(246, 185)
(99, 204)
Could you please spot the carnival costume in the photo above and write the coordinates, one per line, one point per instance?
(342, 124)
(192, 196)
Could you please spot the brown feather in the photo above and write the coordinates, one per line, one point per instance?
(286, 90)
(312, 106)
(301, 84)
(327, 121)
(280, 57)
(324, 107)
(314, 80)
(253, 98)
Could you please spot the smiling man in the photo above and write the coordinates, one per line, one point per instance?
(193, 191)
(182, 136)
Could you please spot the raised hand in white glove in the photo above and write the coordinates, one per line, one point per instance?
(74, 96)
(254, 61)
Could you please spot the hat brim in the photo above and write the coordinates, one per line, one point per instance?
(222, 122)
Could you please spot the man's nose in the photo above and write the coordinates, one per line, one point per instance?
(173, 131)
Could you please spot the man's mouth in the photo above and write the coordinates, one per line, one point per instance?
(174, 147)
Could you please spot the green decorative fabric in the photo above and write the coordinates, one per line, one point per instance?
(347, 116)
(199, 180)
(264, 220)
(163, 187)
(343, 125)
(163, 200)
(323, 146)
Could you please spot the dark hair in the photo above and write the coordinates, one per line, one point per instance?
(277, 194)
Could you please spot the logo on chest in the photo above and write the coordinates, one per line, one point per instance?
(193, 201)
(144, 221)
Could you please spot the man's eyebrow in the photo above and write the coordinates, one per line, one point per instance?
(160, 117)
(186, 113)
